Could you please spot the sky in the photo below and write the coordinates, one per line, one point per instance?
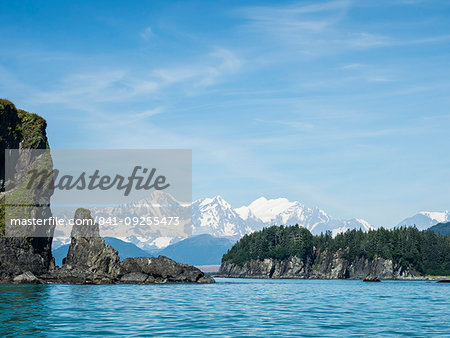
(343, 105)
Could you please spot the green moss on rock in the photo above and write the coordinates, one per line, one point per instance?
(21, 129)
(32, 130)
(2, 216)
(4, 104)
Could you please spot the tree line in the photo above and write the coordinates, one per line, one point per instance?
(425, 251)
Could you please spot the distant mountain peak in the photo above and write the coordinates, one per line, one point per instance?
(440, 217)
(425, 219)
(268, 209)
(156, 199)
(215, 216)
(214, 200)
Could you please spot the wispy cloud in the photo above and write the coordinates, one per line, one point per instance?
(319, 29)
(307, 27)
(147, 33)
(290, 124)
(352, 66)
(319, 101)
(201, 74)
(91, 90)
(281, 18)
(378, 79)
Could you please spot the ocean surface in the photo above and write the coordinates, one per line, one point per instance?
(231, 307)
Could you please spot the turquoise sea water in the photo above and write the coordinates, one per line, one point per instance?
(231, 307)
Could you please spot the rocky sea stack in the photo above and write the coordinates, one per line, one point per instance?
(91, 261)
(22, 130)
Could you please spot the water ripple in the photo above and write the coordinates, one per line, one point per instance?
(231, 307)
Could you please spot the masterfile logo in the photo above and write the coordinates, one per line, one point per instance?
(141, 193)
(147, 181)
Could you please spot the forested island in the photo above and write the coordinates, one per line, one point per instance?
(293, 252)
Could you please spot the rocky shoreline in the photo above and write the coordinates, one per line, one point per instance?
(322, 266)
(91, 261)
(157, 270)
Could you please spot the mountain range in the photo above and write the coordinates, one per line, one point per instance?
(425, 219)
(216, 217)
(212, 216)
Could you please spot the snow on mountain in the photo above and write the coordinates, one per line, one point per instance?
(425, 219)
(266, 210)
(219, 217)
(440, 217)
(213, 216)
(132, 219)
(354, 223)
(130, 222)
(281, 211)
(60, 241)
(216, 217)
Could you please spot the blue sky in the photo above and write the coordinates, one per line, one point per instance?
(343, 105)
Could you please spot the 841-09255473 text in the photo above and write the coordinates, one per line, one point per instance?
(129, 220)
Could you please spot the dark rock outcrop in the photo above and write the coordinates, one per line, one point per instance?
(88, 250)
(22, 130)
(321, 266)
(137, 278)
(27, 278)
(371, 278)
(91, 261)
(163, 269)
(17, 255)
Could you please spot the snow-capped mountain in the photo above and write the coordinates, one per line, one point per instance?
(216, 216)
(425, 219)
(213, 216)
(134, 216)
(282, 211)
